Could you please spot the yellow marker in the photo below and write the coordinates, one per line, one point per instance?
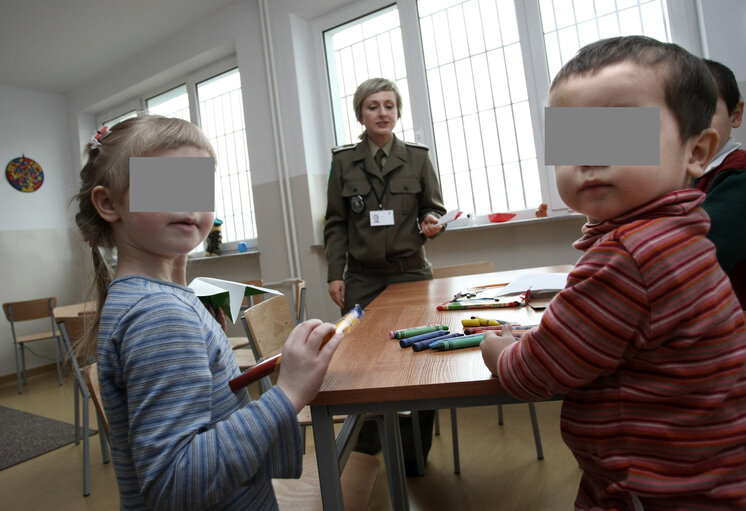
(475, 321)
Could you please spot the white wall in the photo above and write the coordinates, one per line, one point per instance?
(39, 254)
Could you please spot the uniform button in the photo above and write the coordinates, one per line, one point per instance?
(354, 189)
(406, 188)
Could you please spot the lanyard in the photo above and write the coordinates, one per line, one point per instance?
(379, 198)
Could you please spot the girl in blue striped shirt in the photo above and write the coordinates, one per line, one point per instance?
(180, 438)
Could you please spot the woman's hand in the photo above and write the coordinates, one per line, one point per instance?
(337, 292)
(305, 361)
(429, 226)
(494, 344)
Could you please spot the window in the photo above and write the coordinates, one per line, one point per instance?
(211, 98)
(369, 47)
(172, 103)
(479, 72)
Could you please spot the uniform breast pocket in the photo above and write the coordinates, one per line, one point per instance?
(355, 194)
(404, 192)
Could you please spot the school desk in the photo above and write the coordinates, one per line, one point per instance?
(371, 373)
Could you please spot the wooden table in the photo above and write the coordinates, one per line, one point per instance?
(370, 373)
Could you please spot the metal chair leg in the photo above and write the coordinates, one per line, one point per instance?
(537, 435)
(454, 435)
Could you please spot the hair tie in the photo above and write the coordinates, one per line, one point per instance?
(98, 138)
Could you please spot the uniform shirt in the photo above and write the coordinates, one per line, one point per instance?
(407, 184)
(180, 439)
(648, 344)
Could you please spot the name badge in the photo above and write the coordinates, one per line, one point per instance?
(380, 217)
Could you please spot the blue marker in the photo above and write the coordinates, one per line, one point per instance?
(423, 345)
(407, 342)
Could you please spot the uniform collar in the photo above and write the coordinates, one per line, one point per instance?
(396, 156)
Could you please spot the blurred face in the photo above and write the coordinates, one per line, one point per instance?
(723, 122)
(163, 234)
(379, 116)
(605, 192)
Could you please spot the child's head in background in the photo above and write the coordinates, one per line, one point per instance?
(638, 71)
(729, 110)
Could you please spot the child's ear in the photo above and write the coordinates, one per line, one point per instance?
(736, 118)
(105, 204)
(702, 148)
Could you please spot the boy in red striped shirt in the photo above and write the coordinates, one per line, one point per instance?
(647, 341)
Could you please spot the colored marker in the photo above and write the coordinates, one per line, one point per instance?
(270, 364)
(423, 345)
(475, 321)
(466, 338)
(410, 332)
(406, 343)
(517, 329)
(468, 341)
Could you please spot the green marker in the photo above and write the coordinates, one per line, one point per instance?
(418, 330)
(467, 341)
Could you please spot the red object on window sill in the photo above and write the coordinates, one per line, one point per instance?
(500, 217)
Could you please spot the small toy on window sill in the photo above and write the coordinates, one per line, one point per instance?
(542, 211)
(214, 239)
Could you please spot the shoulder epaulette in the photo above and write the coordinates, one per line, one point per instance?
(342, 148)
(418, 145)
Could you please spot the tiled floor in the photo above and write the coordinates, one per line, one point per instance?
(499, 469)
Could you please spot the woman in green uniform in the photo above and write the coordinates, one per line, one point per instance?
(383, 203)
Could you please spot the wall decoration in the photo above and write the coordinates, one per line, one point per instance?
(24, 174)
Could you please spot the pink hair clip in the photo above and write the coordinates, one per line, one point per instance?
(98, 138)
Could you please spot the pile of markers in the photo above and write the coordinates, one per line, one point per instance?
(439, 338)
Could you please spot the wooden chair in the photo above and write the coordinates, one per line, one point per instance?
(28, 310)
(473, 269)
(73, 329)
(304, 494)
(268, 326)
(248, 357)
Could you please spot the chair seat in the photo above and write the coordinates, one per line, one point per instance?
(304, 494)
(35, 337)
(304, 417)
(244, 358)
(238, 342)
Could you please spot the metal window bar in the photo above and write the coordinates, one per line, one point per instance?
(235, 208)
(647, 27)
(362, 59)
(473, 172)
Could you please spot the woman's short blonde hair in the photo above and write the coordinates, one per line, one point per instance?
(371, 86)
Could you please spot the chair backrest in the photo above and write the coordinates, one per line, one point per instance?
(29, 309)
(90, 373)
(269, 324)
(75, 309)
(74, 329)
(464, 269)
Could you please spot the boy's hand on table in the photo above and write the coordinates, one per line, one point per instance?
(305, 361)
(493, 344)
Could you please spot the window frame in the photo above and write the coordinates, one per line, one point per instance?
(683, 27)
(191, 80)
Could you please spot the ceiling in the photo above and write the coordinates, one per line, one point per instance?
(55, 45)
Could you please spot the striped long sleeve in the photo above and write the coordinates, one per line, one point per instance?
(648, 344)
(180, 438)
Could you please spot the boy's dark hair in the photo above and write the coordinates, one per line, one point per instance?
(726, 84)
(689, 87)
